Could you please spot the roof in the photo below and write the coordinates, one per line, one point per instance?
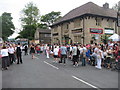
(88, 8)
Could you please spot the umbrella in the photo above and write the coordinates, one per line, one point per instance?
(115, 37)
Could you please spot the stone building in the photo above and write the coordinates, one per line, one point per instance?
(85, 24)
(43, 35)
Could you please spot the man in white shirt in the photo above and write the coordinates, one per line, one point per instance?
(75, 56)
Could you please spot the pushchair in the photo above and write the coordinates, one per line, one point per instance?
(116, 65)
(92, 60)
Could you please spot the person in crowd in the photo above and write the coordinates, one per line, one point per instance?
(55, 52)
(32, 50)
(99, 58)
(95, 49)
(11, 52)
(104, 60)
(37, 48)
(26, 50)
(4, 55)
(47, 51)
(109, 57)
(75, 55)
(88, 54)
(45, 46)
(70, 52)
(19, 53)
(83, 55)
(41, 49)
(63, 50)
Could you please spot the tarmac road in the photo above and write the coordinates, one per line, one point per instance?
(44, 73)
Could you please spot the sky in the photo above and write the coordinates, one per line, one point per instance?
(45, 6)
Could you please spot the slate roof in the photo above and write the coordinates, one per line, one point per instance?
(88, 8)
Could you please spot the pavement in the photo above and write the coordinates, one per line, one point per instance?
(44, 73)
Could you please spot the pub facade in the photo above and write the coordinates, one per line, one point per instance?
(85, 24)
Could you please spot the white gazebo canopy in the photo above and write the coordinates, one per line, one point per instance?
(115, 37)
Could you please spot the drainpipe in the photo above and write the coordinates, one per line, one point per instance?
(83, 30)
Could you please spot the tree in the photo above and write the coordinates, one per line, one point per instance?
(50, 18)
(117, 6)
(27, 32)
(30, 14)
(29, 20)
(7, 25)
(43, 26)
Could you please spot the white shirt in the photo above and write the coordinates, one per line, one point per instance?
(18, 46)
(81, 50)
(11, 50)
(4, 52)
(71, 48)
(41, 48)
(74, 51)
(55, 51)
(96, 49)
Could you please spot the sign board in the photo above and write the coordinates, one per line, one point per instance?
(96, 31)
(77, 31)
(109, 31)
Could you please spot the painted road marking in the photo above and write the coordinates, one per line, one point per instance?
(51, 65)
(36, 57)
(84, 82)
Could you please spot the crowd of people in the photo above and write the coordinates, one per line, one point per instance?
(10, 53)
(98, 55)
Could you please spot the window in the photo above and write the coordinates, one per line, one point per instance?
(47, 35)
(66, 26)
(55, 29)
(77, 38)
(98, 21)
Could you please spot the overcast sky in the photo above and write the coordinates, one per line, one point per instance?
(46, 6)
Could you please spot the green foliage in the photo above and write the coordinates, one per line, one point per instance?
(29, 21)
(50, 18)
(7, 25)
(116, 7)
(28, 32)
(30, 14)
(42, 26)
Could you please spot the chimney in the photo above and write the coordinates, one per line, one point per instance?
(106, 6)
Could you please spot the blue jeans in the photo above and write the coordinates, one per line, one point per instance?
(83, 62)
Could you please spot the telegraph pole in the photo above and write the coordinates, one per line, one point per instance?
(118, 18)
